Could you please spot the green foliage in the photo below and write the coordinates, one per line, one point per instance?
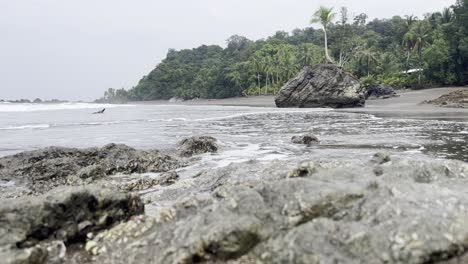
(113, 96)
(377, 51)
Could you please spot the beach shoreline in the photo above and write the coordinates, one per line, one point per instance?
(408, 105)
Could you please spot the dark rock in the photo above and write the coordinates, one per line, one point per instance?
(380, 91)
(308, 139)
(323, 85)
(456, 99)
(42, 170)
(67, 215)
(305, 169)
(197, 145)
(381, 158)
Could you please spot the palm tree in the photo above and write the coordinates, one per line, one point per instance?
(306, 55)
(421, 33)
(410, 20)
(257, 65)
(447, 16)
(324, 16)
(408, 38)
(368, 57)
(236, 78)
(267, 67)
(409, 42)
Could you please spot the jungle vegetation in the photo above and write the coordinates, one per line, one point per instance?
(377, 51)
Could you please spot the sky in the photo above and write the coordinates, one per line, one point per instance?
(76, 49)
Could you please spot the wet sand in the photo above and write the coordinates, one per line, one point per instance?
(408, 105)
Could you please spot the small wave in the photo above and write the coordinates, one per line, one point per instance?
(173, 119)
(310, 110)
(10, 107)
(38, 126)
(44, 126)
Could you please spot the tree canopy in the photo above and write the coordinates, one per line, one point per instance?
(381, 50)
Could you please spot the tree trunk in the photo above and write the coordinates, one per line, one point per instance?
(407, 60)
(327, 57)
(368, 66)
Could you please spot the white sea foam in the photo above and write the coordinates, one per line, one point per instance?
(14, 107)
(33, 126)
(264, 113)
(7, 183)
(44, 126)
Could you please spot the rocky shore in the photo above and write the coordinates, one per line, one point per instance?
(455, 99)
(383, 209)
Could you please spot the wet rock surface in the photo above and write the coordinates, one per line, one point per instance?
(456, 99)
(38, 230)
(323, 85)
(145, 183)
(380, 91)
(42, 170)
(307, 139)
(316, 212)
(197, 145)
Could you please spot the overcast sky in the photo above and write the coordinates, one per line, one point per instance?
(75, 49)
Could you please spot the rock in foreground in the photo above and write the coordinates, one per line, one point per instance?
(45, 169)
(29, 226)
(323, 85)
(456, 99)
(415, 211)
(380, 91)
(197, 145)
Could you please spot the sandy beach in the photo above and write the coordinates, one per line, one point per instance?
(408, 105)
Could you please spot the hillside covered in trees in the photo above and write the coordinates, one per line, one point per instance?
(434, 48)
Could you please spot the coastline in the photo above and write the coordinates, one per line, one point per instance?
(408, 105)
(363, 170)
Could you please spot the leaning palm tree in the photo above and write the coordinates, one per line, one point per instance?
(324, 16)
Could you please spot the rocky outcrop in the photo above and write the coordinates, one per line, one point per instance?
(197, 145)
(456, 99)
(32, 229)
(380, 91)
(324, 85)
(317, 212)
(307, 139)
(45, 169)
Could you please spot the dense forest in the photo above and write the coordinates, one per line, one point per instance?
(404, 52)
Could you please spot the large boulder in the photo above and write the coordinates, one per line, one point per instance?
(380, 91)
(324, 85)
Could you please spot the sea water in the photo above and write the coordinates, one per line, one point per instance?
(244, 133)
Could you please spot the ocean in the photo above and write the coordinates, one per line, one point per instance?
(244, 133)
